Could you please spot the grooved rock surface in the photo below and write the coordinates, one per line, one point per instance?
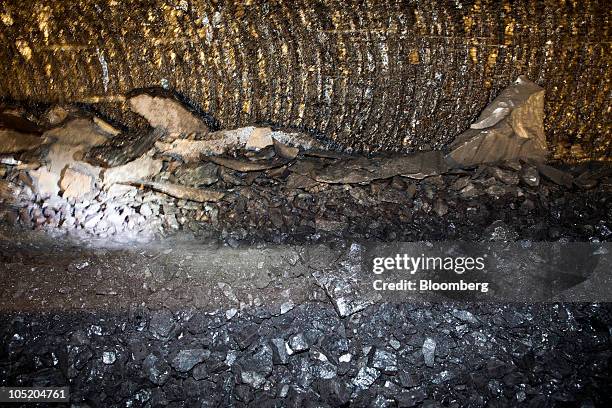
(386, 75)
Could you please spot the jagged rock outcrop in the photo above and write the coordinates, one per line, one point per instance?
(511, 127)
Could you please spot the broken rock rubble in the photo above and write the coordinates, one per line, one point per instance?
(200, 196)
(70, 143)
(511, 127)
(89, 175)
(220, 142)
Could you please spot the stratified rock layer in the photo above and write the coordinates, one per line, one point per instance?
(386, 75)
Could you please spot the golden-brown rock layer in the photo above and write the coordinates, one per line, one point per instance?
(384, 74)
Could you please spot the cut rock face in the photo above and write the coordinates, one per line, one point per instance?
(168, 114)
(511, 127)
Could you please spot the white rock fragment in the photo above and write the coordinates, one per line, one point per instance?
(429, 351)
(109, 357)
(168, 114)
(298, 343)
(228, 292)
(10, 161)
(230, 313)
(105, 126)
(319, 356)
(366, 377)
(145, 210)
(345, 358)
(287, 306)
(75, 184)
(139, 169)
(45, 182)
(465, 316)
(121, 190)
(259, 138)
(253, 378)
(346, 295)
(297, 139)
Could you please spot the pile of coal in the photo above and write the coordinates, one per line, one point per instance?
(389, 355)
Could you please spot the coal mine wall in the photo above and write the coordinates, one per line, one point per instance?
(369, 75)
